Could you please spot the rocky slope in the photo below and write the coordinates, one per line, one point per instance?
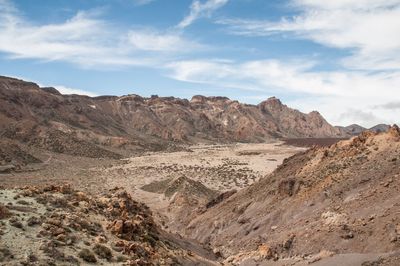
(341, 199)
(186, 197)
(94, 126)
(12, 157)
(56, 225)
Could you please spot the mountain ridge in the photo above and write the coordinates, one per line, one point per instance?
(47, 119)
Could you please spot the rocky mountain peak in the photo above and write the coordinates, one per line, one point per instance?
(271, 103)
(314, 113)
(204, 99)
(273, 100)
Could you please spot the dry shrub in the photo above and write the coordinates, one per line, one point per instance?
(4, 212)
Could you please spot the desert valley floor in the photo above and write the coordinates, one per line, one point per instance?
(219, 167)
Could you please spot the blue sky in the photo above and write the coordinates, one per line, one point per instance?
(340, 57)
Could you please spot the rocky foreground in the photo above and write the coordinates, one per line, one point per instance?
(55, 225)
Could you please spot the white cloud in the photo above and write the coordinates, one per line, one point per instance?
(66, 90)
(389, 106)
(294, 76)
(345, 4)
(345, 111)
(361, 116)
(63, 89)
(150, 40)
(86, 40)
(369, 27)
(199, 10)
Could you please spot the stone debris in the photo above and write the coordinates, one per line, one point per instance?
(80, 228)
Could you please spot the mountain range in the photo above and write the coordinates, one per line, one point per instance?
(101, 126)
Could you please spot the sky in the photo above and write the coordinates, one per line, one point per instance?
(341, 58)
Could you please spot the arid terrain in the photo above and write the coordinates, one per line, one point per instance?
(219, 204)
(210, 181)
(323, 202)
(219, 168)
(56, 225)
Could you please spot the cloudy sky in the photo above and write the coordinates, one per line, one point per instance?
(339, 57)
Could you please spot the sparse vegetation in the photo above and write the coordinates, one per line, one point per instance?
(87, 255)
(4, 212)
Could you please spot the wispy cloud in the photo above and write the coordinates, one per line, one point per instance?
(370, 28)
(199, 10)
(344, 4)
(296, 76)
(151, 40)
(86, 40)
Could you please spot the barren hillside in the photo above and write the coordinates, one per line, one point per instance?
(341, 200)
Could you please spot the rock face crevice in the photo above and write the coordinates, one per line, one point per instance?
(35, 115)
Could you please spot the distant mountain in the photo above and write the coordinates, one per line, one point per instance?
(90, 126)
(355, 129)
(380, 128)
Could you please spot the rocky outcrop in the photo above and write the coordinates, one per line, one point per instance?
(185, 196)
(293, 124)
(56, 225)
